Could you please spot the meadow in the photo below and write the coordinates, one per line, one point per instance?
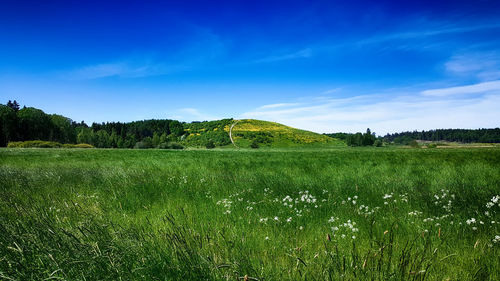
(266, 214)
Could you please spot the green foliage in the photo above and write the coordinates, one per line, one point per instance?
(85, 135)
(199, 133)
(368, 138)
(404, 140)
(210, 144)
(45, 144)
(431, 145)
(414, 144)
(101, 139)
(156, 139)
(34, 144)
(34, 124)
(170, 145)
(145, 143)
(8, 125)
(254, 144)
(81, 145)
(13, 105)
(62, 129)
(271, 134)
(358, 139)
(453, 135)
(378, 143)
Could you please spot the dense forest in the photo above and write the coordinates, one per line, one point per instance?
(453, 135)
(30, 123)
(405, 138)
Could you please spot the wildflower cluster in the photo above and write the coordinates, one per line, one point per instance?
(226, 203)
(387, 198)
(494, 201)
(345, 229)
(415, 213)
(444, 199)
(366, 211)
(496, 239)
(350, 200)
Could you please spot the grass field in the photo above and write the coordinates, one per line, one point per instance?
(289, 214)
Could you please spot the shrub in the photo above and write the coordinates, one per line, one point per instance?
(377, 143)
(35, 144)
(142, 145)
(254, 144)
(46, 144)
(83, 145)
(431, 145)
(414, 144)
(210, 144)
(170, 145)
(175, 145)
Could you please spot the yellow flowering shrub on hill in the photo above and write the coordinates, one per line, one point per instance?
(275, 134)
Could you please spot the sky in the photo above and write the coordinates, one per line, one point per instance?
(323, 66)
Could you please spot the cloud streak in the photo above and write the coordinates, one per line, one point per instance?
(416, 34)
(304, 53)
(192, 114)
(123, 69)
(481, 88)
(471, 106)
(482, 65)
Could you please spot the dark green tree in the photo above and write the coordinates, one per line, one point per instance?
(14, 105)
(85, 135)
(156, 139)
(62, 130)
(368, 138)
(34, 124)
(8, 125)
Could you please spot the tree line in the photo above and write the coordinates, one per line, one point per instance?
(358, 139)
(452, 135)
(29, 123)
(406, 138)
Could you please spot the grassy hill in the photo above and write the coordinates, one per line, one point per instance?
(271, 134)
(248, 131)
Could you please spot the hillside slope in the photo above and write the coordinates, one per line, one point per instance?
(271, 134)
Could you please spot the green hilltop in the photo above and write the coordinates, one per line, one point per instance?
(254, 133)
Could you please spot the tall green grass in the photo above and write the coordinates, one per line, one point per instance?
(339, 214)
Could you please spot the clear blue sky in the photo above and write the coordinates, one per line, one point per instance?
(325, 66)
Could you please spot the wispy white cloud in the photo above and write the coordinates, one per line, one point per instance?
(128, 69)
(481, 88)
(277, 105)
(331, 91)
(202, 49)
(304, 53)
(192, 114)
(432, 31)
(384, 113)
(482, 65)
(417, 38)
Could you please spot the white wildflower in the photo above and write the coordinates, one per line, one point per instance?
(472, 220)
